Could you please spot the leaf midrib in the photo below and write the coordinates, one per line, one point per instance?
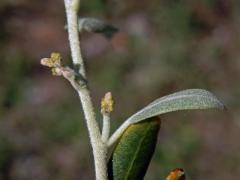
(137, 151)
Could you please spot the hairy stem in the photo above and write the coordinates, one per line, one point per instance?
(99, 148)
(106, 127)
(72, 24)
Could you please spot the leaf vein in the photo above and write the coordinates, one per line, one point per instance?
(135, 155)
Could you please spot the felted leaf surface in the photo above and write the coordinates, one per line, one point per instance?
(182, 100)
(132, 154)
(96, 25)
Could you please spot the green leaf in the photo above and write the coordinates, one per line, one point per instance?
(182, 100)
(132, 154)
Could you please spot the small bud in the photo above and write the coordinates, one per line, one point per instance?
(107, 103)
(176, 174)
(56, 72)
(56, 59)
(53, 61)
(47, 62)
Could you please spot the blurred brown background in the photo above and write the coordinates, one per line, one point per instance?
(163, 46)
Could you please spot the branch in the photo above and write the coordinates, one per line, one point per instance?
(106, 127)
(106, 108)
(72, 23)
(99, 148)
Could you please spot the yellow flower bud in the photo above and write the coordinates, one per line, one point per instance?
(53, 61)
(47, 62)
(56, 72)
(107, 103)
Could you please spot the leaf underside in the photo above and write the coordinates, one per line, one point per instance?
(182, 100)
(132, 154)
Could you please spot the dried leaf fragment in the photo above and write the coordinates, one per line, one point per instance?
(97, 26)
(176, 174)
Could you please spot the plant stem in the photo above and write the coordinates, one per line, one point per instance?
(71, 7)
(106, 127)
(99, 148)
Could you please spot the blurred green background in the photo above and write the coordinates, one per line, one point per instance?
(162, 46)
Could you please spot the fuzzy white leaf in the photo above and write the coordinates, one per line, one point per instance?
(182, 100)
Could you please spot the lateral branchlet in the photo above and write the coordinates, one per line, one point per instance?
(53, 61)
(106, 109)
(72, 75)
